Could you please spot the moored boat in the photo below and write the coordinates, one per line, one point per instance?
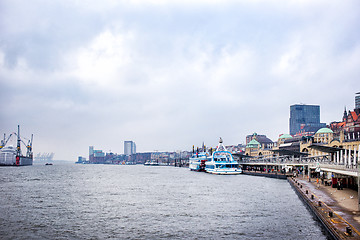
(151, 163)
(222, 162)
(198, 159)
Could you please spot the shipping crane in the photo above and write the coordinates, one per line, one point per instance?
(5, 140)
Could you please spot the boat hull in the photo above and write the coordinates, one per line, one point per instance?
(195, 166)
(151, 164)
(198, 163)
(225, 172)
(6, 161)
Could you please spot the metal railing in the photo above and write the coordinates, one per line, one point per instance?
(323, 161)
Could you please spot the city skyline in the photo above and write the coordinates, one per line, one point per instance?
(171, 74)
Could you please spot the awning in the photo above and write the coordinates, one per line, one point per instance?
(289, 152)
(286, 145)
(326, 149)
(241, 155)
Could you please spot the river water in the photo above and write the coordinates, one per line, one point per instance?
(146, 202)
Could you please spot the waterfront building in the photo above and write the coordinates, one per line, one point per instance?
(140, 158)
(332, 153)
(236, 148)
(350, 124)
(304, 118)
(286, 142)
(129, 148)
(96, 156)
(288, 145)
(91, 150)
(262, 139)
(253, 147)
(259, 146)
(335, 147)
(81, 160)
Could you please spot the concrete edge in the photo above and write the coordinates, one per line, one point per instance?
(335, 226)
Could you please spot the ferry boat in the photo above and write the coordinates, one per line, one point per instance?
(151, 163)
(222, 162)
(11, 156)
(198, 159)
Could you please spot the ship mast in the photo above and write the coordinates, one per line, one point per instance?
(18, 150)
(29, 147)
(221, 146)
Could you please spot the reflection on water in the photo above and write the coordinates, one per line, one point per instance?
(147, 202)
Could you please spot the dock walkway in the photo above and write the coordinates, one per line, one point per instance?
(336, 209)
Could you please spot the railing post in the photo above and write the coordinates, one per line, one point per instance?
(345, 159)
(354, 157)
(358, 185)
(358, 155)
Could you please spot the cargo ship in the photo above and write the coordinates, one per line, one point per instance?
(12, 156)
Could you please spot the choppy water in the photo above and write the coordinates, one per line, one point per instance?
(139, 202)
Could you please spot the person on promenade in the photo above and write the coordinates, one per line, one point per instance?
(339, 184)
(317, 182)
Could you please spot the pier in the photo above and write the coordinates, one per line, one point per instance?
(329, 188)
(336, 210)
(329, 172)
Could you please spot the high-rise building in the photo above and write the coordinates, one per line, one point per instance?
(357, 101)
(129, 148)
(91, 150)
(304, 118)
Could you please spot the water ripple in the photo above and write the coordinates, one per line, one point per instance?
(137, 202)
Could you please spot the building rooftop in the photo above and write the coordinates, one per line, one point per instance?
(253, 144)
(284, 136)
(324, 130)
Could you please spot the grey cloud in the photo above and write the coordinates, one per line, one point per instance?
(179, 74)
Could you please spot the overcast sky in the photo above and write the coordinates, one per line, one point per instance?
(171, 74)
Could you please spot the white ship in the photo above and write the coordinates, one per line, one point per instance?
(198, 159)
(222, 162)
(12, 156)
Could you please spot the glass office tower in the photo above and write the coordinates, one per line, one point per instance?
(357, 101)
(304, 118)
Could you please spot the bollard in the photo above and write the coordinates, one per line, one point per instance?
(319, 204)
(300, 186)
(349, 231)
(312, 196)
(331, 214)
(307, 192)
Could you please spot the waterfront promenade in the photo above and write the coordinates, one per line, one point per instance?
(336, 209)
